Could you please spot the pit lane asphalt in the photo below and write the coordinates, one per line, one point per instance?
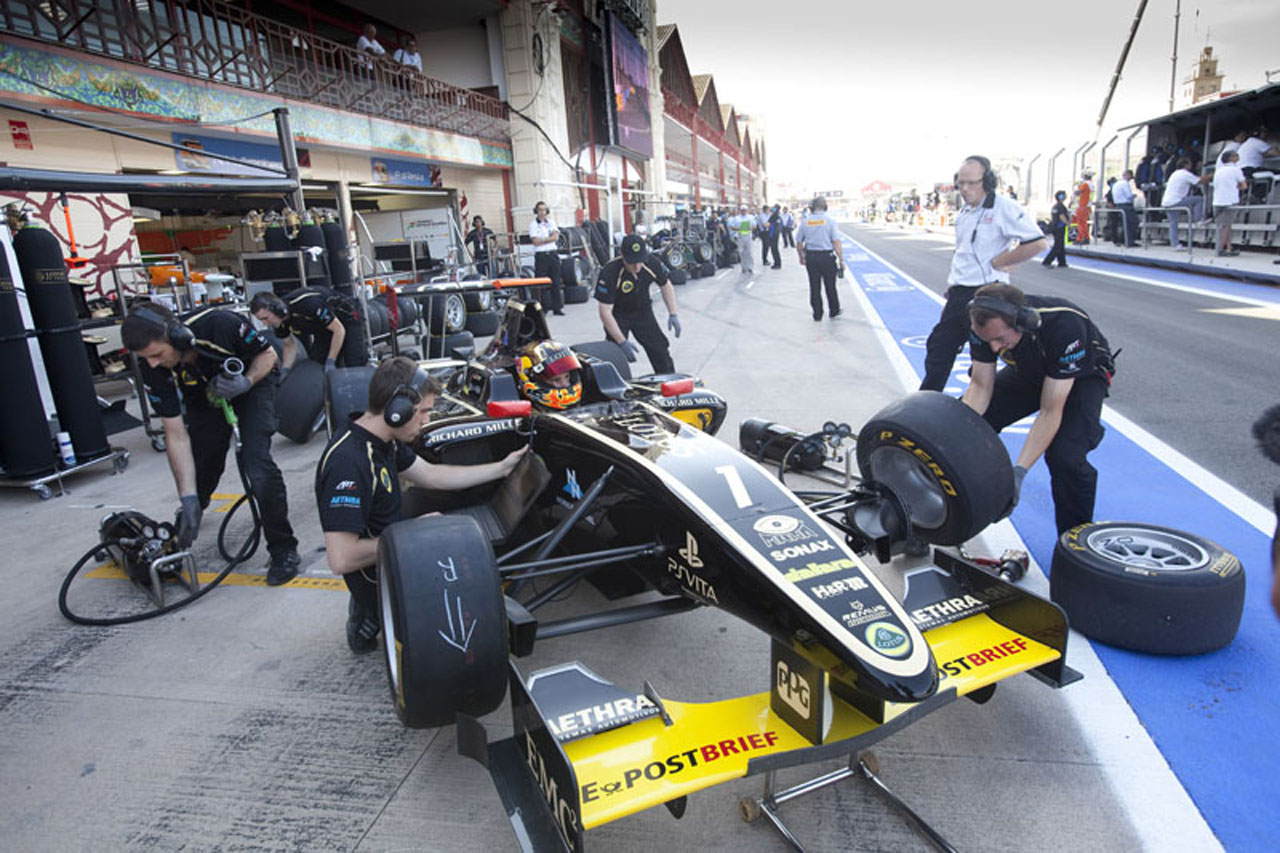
(244, 721)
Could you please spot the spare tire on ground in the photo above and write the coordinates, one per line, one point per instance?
(943, 461)
(299, 400)
(606, 351)
(678, 277)
(576, 294)
(346, 392)
(1147, 588)
(444, 630)
(481, 324)
(708, 269)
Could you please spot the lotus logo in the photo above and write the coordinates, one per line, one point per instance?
(635, 247)
(888, 639)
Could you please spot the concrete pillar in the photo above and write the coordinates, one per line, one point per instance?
(656, 179)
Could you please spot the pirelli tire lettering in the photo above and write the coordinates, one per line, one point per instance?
(678, 763)
(942, 460)
(1148, 588)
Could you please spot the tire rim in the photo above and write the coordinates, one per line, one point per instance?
(389, 642)
(675, 257)
(1146, 548)
(912, 482)
(455, 312)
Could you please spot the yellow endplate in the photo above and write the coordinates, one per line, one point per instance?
(638, 766)
(978, 651)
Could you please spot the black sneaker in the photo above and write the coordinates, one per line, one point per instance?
(836, 313)
(283, 568)
(362, 630)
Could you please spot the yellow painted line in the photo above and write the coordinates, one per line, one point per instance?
(229, 497)
(1270, 312)
(111, 571)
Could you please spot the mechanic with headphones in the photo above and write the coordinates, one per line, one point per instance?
(544, 236)
(335, 335)
(818, 243)
(358, 484)
(622, 289)
(1058, 365)
(986, 228)
(185, 358)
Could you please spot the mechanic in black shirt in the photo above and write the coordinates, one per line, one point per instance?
(622, 289)
(478, 242)
(185, 358)
(1058, 364)
(335, 335)
(358, 484)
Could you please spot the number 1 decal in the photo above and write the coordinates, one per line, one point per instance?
(736, 486)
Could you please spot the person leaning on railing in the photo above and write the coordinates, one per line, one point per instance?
(1177, 194)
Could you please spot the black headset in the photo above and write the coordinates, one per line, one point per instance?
(399, 409)
(270, 302)
(179, 336)
(990, 180)
(1022, 318)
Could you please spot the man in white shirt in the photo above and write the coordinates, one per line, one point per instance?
(408, 55)
(1232, 144)
(1122, 196)
(1252, 152)
(1177, 193)
(986, 228)
(369, 47)
(1228, 181)
(543, 234)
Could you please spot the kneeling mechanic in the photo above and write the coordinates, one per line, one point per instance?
(187, 357)
(358, 484)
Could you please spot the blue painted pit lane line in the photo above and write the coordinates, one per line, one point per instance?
(1212, 716)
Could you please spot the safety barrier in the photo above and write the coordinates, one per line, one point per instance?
(1258, 229)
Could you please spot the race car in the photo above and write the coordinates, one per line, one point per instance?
(629, 490)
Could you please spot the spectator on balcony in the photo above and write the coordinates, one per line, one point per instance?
(1178, 193)
(408, 55)
(1252, 152)
(1232, 144)
(369, 48)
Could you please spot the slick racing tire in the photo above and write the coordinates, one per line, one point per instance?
(444, 625)
(606, 351)
(943, 461)
(1147, 588)
(482, 324)
(448, 313)
(379, 323)
(443, 347)
(678, 277)
(568, 272)
(346, 392)
(299, 400)
(576, 294)
(708, 269)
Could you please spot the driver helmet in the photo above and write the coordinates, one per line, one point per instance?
(550, 375)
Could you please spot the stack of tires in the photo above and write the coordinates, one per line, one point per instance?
(575, 275)
(673, 255)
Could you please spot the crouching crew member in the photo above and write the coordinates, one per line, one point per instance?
(186, 357)
(818, 243)
(1058, 365)
(358, 484)
(335, 335)
(622, 289)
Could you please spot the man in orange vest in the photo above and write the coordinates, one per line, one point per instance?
(1083, 194)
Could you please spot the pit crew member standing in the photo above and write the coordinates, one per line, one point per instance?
(622, 289)
(358, 484)
(543, 234)
(818, 244)
(186, 358)
(1058, 365)
(986, 228)
(741, 227)
(335, 335)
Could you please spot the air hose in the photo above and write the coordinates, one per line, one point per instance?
(231, 367)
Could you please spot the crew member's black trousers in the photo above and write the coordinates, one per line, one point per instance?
(788, 241)
(1129, 223)
(1074, 481)
(822, 275)
(354, 353)
(547, 265)
(645, 327)
(771, 245)
(210, 439)
(947, 337)
(363, 586)
(1059, 250)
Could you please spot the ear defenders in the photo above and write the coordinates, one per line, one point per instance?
(399, 409)
(1022, 318)
(989, 178)
(180, 337)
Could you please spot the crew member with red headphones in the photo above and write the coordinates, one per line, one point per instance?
(358, 484)
(187, 357)
(993, 234)
(1056, 364)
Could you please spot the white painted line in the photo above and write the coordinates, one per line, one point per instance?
(1253, 513)
(721, 274)
(1162, 813)
(1185, 288)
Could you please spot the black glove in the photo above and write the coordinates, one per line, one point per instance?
(330, 365)
(630, 350)
(188, 521)
(229, 387)
(1018, 474)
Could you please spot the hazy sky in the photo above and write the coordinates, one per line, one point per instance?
(854, 91)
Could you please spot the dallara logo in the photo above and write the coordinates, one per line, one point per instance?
(888, 639)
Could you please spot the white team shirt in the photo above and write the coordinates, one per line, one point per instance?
(1226, 184)
(1122, 192)
(412, 60)
(982, 233)
(1251, 151)
(542, 230)
(1179, 187)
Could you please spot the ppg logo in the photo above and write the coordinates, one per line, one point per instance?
(793, 689)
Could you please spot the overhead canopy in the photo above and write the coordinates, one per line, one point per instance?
(1242, 111)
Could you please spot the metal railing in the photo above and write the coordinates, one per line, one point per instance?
(1269, 231)
(222, 43)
